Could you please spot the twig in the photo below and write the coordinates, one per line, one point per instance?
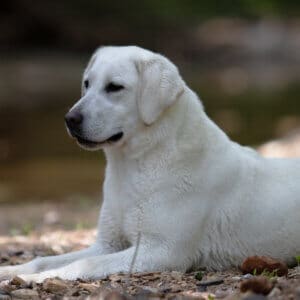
(135, 252)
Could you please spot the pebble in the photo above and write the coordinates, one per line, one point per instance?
(112, 296)
(25, 294)
(251, 296)
(5, 286)
(247, 276)
(4, 258)
(275, 293)
(236, 278)
(51, 217)
(297, 291)
(116, 277)
(88, 287)
(220, 294)
(4, 295)
(150, 289)
(175, 288)
(18, 281)
(55, 286)
(176, 275)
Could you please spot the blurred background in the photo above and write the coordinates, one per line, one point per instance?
(241, 56)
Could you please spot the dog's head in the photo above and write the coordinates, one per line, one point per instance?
(123, 89)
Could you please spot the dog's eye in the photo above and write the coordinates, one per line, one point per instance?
(86, 84)
(112, 87)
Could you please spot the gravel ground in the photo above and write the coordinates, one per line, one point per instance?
(166, 285)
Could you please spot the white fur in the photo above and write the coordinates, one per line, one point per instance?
(197, 198)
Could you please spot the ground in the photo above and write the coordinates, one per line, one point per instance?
(170, 285)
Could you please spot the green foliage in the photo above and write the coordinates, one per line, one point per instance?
(179, 10)
(82, 225)
(199, 275)
(175, 11)
(243, 8)
(14, 231)
(266, 273)
(270, 274)
(297, 257)
(26, 229)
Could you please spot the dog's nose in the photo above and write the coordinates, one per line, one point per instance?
(73, 119)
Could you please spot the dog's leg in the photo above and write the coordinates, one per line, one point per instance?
(41, 264)
(147, 259)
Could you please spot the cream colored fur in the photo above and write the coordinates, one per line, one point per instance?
(196, 198)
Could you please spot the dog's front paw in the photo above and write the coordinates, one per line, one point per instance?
(32, 278)
(37, 277)
(7, 272)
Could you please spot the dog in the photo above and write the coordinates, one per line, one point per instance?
(178, 193)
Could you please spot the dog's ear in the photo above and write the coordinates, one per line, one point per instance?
(160, 86)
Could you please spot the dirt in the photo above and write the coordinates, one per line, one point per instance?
(154, 285)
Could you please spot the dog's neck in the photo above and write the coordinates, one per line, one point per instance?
(172, 131)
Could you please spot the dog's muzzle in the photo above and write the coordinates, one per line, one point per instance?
(74, 122)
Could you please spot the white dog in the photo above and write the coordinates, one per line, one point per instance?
(174, 181)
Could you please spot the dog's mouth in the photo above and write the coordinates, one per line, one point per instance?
(92, 144)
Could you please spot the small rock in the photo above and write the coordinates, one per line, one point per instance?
(88, 287)
(5, 286)
(236, 278)
(247, 276)
(297, 269)
(189, 295)
(220, 294)
(175, 288)
(275, 293)
(166, 288)
(116, 277)
(297, 291)
(176, 275)
(149, 289)
(264, 263)
(25, 294)
(112, 296)
(251, 296)
(56, 286)
(4, 295)
(18, 281)
(51, 217)
(202, 288)
(246, 296)
(257, 285)
(152, 276)
(16, 253)
(234, 296)
(15, 260)
(4, 258)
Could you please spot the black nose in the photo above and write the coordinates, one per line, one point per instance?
(73, 120)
